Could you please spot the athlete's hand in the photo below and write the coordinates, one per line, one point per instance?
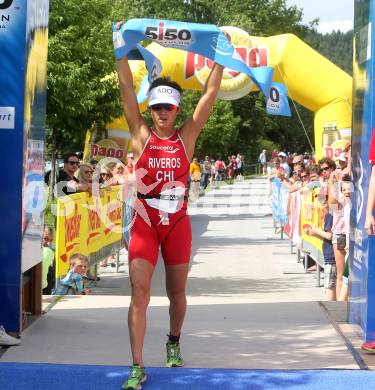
(370, 225)
(119, 24)
(227, 35)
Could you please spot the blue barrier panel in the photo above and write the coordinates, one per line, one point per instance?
(22, 118)
(279, 202)
(362, 247)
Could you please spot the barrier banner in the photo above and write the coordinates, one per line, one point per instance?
(312, 214)
(86, 224)
(279, 202)
(112, 215)
(95, 228)
(71, 230)
(293, 227)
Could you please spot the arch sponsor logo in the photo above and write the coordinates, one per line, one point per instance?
(7, 12)
(7, 116)
(4, 4)
(234, 84)
(106, 148)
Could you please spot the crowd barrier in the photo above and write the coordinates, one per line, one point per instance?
(90, 225)
(292, 212)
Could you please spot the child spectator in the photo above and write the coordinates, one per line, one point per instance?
(330, 272)
(48, 263)
(339, 201)
(73, 282)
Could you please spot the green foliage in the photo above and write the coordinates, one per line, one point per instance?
(336, 46)
(80, 56)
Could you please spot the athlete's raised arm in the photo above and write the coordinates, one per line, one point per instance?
(137, 125)
(193, 126)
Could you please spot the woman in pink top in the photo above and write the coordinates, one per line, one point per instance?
(339, 202)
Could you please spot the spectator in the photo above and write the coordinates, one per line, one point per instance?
(220, 169)
(342, 166)
(278, 170)
(206, 172)
(84, 176)
(297, 159)
(232, 167)
(6, 339)
(327, 166)
(48, 263)
(240, 167)
(66, 175)
(118, 173)
(262, 160)
(73, 282)
(195, 177)
(274, 154)
(213, 173)
(129, 169)
(313, 179)
(339, 202)
(284, 164)
(305, 176)
(330, 272)
(80, 156)
(93, 162)
(105, 177)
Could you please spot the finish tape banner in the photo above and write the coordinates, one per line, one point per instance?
(279, 202)
(204, 39)
(86, 224)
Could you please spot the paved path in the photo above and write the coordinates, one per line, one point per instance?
(250, 303)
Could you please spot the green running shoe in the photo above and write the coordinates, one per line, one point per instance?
(174, 358)
(137, 376)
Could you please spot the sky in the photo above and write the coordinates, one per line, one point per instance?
(333, 14)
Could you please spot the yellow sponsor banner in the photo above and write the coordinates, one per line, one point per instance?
(71, 231)
(312, 214)
(86, 224)
(112, 215)
(95, 229)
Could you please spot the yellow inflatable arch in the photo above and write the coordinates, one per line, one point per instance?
(311, 80)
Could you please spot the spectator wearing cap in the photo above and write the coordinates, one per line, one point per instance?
(341, 167)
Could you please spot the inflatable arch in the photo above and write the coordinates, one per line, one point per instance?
(311, 80)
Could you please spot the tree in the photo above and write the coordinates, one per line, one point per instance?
(79, 95)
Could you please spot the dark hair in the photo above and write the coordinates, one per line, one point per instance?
(93, 161)
(326, 160)
(301, 163)
(49, 228)
(314, 169)
(165, 81)
(67, 157)
(346, 177)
